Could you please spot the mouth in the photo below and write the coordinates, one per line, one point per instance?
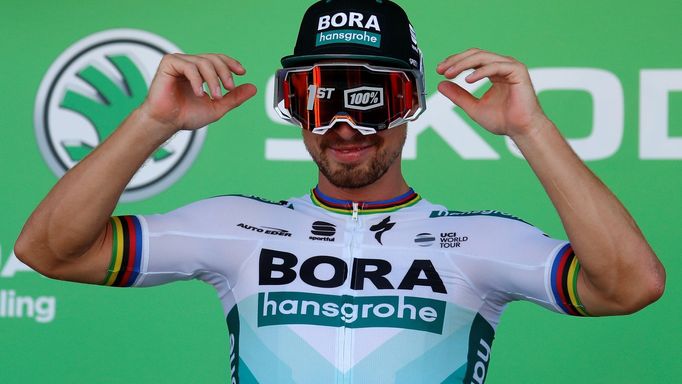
(350, 153)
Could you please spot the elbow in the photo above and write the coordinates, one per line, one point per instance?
(655, 286)
(31, 253)
(627, 291)
(648, 290)
(646, 298)
(22, 250)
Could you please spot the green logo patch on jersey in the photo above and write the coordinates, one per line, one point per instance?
(275, 308)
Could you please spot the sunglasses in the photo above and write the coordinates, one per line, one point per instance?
(369, 98)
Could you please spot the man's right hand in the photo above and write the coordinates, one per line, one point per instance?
(176, 97)
(69, 236)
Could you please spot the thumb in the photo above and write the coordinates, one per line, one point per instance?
(458, 95)
(235, 98)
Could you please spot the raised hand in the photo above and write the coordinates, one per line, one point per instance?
(176, 96)
(510, 107)
(619, 271)
(69, 235)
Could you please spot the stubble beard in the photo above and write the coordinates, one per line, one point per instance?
(353, 176)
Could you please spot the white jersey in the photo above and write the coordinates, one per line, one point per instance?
(317, 290)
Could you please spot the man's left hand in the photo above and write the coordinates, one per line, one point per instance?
(510, 107)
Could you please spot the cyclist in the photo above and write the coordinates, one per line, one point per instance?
(361, 280)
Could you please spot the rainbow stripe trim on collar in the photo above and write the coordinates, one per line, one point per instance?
(345, 207)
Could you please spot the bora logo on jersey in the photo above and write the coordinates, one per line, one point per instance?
(90, 89)
(394, 309)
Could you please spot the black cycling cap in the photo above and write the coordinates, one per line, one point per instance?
(377, 31)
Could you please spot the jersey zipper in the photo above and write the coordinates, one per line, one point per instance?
(347, 333)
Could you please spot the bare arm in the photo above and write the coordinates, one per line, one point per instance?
(619, 271)
(68, 236)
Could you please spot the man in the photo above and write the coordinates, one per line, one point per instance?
(350, 283)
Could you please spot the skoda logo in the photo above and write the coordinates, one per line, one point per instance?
(90, 89)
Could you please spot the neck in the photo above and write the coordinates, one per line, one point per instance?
(388, 186)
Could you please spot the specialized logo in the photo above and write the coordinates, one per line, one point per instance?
(363, 98)
(278, 268)
(90, 89)
(384, 226)
(424, 239)
(452, 240)
(353, 36)
(266, 230)
(323, 231)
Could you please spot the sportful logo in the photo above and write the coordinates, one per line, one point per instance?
(323, 231)
(353, 36)
(88, 91)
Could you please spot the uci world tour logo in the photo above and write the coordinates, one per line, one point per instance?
(90, 89)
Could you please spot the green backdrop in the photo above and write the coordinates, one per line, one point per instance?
(176, 333)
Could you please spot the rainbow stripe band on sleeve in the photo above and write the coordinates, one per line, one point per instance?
(126, 251)
(565, 282)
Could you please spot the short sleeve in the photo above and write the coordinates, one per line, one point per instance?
(193, 241)
(517, 261)
(541, 269)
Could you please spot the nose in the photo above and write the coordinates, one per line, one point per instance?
(345, 131)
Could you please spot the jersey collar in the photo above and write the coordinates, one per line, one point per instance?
(345, 207)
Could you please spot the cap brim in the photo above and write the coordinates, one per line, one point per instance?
(292, 60)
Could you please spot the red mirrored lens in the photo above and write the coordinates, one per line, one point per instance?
(373, 99)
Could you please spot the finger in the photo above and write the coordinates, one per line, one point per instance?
(489, 70)
(474, 51)
(180, 67)
(452, 58)
(234, 65)
(222, 69)
(208, 74)
(499, 72)
(235, 98)
(477, 60)
(458, 95)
